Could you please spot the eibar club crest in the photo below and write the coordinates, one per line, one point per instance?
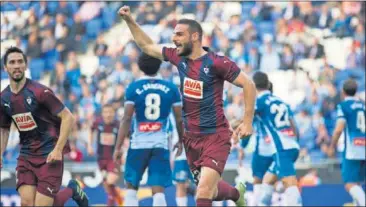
(29, 100)
(206, 70)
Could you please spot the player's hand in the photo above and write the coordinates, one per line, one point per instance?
(244, 130)
(117, 157)
(179, 147)
(125, 13)
(331, 151)
(90, 151)
(55, 155)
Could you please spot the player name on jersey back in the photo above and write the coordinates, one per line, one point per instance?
(25, 121)
(156, 86)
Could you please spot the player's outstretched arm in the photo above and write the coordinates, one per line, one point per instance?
(123, 131)
(249, 91)
(4, 133)
(142, 39)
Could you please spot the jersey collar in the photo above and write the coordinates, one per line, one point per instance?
(262, 93)
(350, 98)
(145, 77)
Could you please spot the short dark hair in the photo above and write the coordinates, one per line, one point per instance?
(107, 105)
(261, 80)
(14, 50)
(149, 65)
(194, 26)
(350, 87)
(270, 86)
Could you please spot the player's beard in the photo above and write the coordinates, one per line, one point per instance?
(186, 49)
(17, 78)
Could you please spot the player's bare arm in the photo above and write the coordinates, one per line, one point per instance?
(177, 111)
(4, 133)
(123, 131)
(142, 39)
(340, 125)
(67, 123)
(90, 142)
(294, 128)
(245, 129)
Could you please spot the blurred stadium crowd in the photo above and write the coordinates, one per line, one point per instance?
(307, 48)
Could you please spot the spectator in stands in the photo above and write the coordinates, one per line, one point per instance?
(281, 31)
(253, 58)
(270, 60)
(89, 10)
(237, 53)
(65, 44)
(309, 16)
(354, 58)
(316, 50)
(359, 35)
(287, 58)
(299, 48)
(119, 75)
(19, 21)
(30, 26)
(235, 109)
(48, 41)
(307, 132)
(291, 10)
(64, 9)
(100, 48)
(46, 23)
(6, 28)
(201, 11)
(235, 28)
(324, 18)
(104, 93)
(33, 49)
(59, 82)
(60, 26)
(341, 27)
(87, 106)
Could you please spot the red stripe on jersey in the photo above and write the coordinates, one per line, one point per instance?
(25, 126)
(192, 92)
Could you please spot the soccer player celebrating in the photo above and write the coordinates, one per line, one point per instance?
(351, 121)
(151, 99)
(106, 131)
(276, 118)
(44, 124)
(207, 136)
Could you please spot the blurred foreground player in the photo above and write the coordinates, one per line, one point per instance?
(152, 100)
(351, 122)
(207, 136)
(44, 125)
(276, 117)
(105, 129)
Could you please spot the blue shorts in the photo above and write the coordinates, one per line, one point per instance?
(157, 160)
(260, 165)
(181, 172)
(283, 164)
(353, 171)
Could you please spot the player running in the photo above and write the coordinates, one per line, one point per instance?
(276, 118)
(351, 121)
(106, 131)
(207, 133)
(44, 124)
(151, 99)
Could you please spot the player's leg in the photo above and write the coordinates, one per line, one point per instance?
(111, 179)
(353, 173)
(267, 189)
(159, 175)
(260, 165)
(287, 173)
(27, 195)
(181, 175)
(48, 189)
(26, 182)
(136, 163)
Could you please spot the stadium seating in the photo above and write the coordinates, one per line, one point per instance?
(93, 28)
(36, 66)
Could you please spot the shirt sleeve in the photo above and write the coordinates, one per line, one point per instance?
(227, 69)
(170, 54)
(177, 100)
(5, 119)
(130, 95)
(51, 102)
(340, 112)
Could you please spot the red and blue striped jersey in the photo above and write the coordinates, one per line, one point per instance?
(34, 111)
(202, 81)
(106, 138)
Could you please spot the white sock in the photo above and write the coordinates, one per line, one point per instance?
(159, 199)
(265, 198)
(217, 203)
(182, 201)
(358, 194)
(131, 198)
(256, 194)
(293, 196)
